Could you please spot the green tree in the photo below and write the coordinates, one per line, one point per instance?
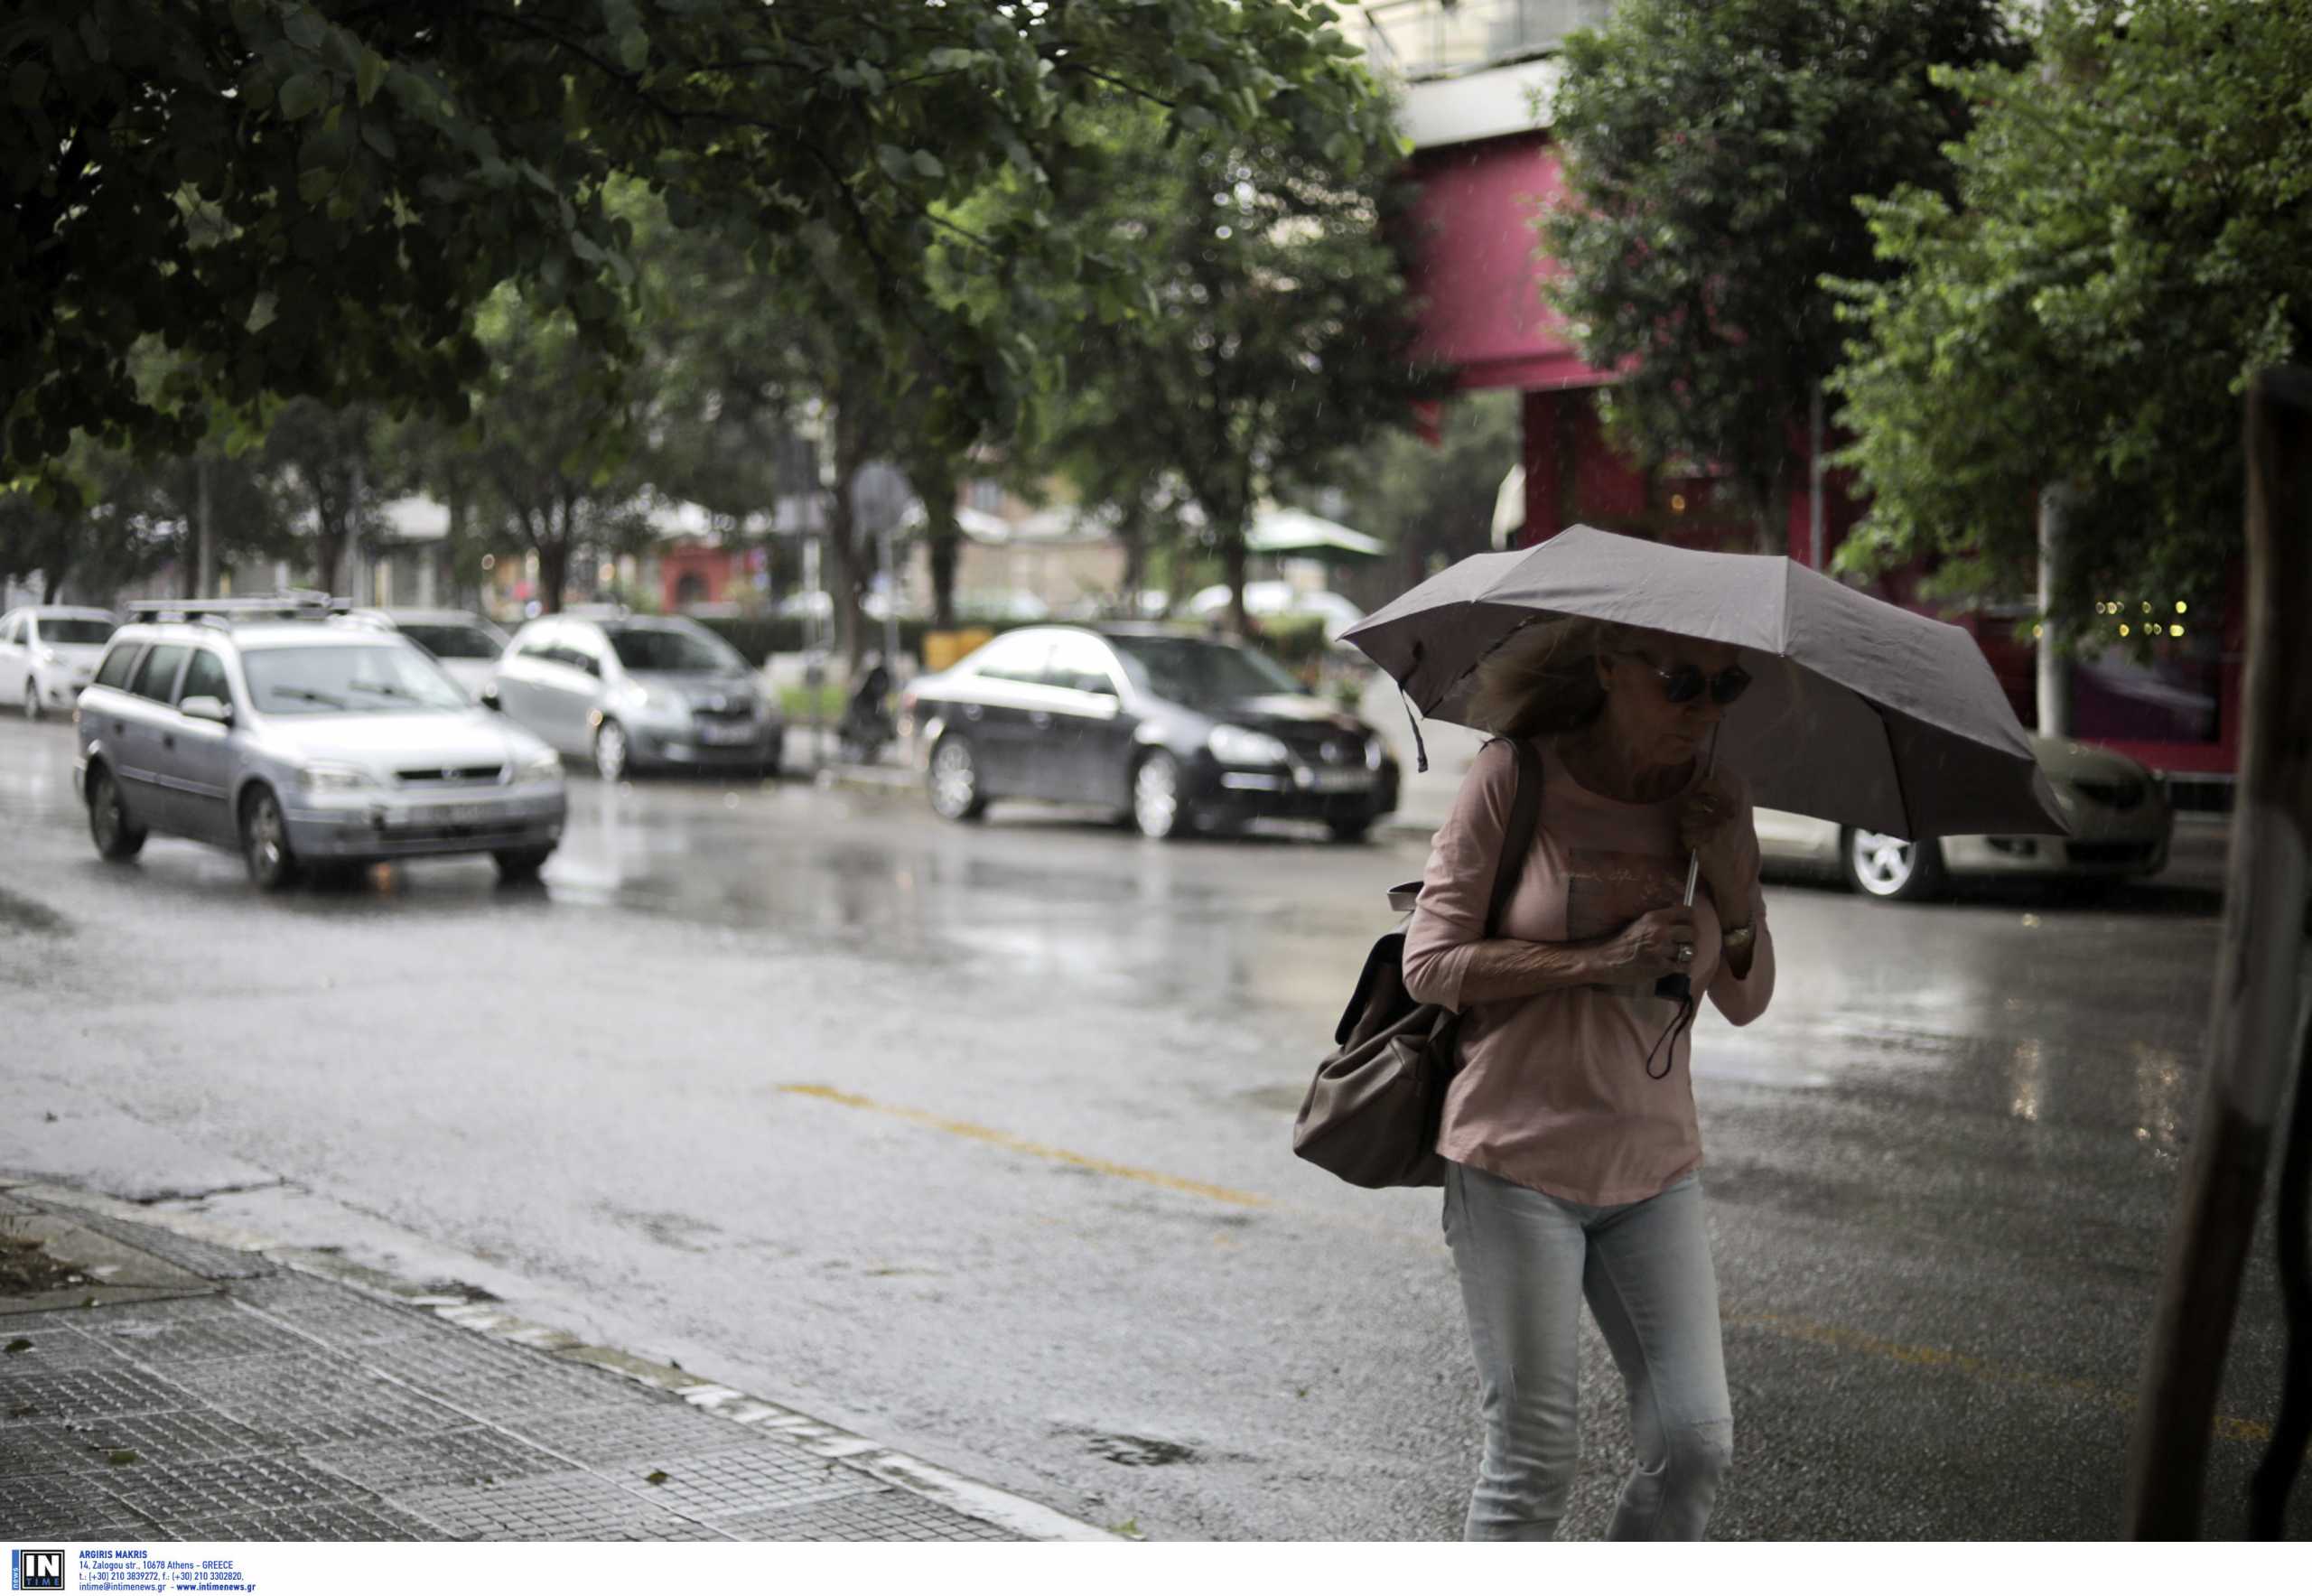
(88, 520)
(324, 460)
(315, 197)
(2125, 248)
(1713, 154)
(1277, 326)
(1430, 502)
(556, 419)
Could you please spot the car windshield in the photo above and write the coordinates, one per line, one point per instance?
(73, 628)
(452, 641)
(1192, 670)
(387, 678)
(669, 647)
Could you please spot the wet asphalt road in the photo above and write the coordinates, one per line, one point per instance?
(975, 1139)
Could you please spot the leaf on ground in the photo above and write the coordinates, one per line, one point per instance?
(120, 1456)
(656, 1476)
(21, 1344)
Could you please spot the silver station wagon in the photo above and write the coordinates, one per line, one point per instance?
(304, 744)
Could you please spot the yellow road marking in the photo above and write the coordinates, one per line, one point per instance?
(1851, 1340)
(980, 1133)
(1800, 1329)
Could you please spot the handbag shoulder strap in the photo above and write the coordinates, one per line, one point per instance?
(1518, 841)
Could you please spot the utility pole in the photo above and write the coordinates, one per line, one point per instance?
(2252, 1034)
(205, 562)
(2053, 688)
(1814, 476)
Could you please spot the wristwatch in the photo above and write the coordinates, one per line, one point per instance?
(1735, 938)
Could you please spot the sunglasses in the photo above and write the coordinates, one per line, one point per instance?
(1684, 683)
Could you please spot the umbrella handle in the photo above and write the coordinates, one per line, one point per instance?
(1680, 988)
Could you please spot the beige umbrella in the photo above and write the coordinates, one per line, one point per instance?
(1859, 711)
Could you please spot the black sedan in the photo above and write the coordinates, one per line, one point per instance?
(1175, 732)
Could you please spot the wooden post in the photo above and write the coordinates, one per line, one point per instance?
(2252, 1031)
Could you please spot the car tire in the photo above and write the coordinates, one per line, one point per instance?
(613, 751)
(265, 842)
(1889, 868)
(520, 864)
(108, 824)
(1352, 830)
(953, 780)
(1160, 806)
(32, 710)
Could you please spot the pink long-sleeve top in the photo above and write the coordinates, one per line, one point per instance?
(1554, 1092)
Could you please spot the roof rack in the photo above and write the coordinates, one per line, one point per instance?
(292, 604)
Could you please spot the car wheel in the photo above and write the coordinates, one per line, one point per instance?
(520, 864)
(1882, 866)
(1160, 808)
(1352, 830)
(31, 698)
(265, 842)
(612, 750)
(109, 825)
(956, 793)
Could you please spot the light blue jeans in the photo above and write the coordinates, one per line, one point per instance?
(1526, 1261)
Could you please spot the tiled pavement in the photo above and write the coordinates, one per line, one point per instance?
(262, 1403)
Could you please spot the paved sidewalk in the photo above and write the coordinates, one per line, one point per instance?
(180, 1390)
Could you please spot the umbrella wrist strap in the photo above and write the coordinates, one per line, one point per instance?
(1419, 751)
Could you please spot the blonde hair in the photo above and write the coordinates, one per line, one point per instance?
(1543, 679)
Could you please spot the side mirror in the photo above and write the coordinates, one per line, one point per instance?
(202, 708)
(488, 697)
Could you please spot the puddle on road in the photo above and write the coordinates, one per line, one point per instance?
(28, 914)
(1139, 1452)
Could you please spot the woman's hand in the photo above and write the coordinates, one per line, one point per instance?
(1659, 942)
(1709, 824)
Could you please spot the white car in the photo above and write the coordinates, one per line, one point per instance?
(1280, 598)
(48, 653)
(463, 644)
(2119, 811)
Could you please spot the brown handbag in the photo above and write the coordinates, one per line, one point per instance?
(1372, 1115)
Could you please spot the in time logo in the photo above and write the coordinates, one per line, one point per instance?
(36, 1570)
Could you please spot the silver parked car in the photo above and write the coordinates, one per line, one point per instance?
(304, 744)
(2119, 811)
(633, 692)
(463, 643)
(48, 653)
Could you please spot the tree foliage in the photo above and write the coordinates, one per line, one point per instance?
(1278, 327)
(1713, 154)
(2125, 248)
(316, 197)
(1431, 502)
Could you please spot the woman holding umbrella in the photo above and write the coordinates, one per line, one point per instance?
(1570, 1127)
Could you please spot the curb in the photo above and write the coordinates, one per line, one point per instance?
(958, 1493)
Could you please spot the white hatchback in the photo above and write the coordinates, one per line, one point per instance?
(48, 653)
(2119, 812)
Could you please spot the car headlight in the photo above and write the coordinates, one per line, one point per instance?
(48, 656)
(334, 779)
(1235, 745)
(1372, 751)
(544, 765)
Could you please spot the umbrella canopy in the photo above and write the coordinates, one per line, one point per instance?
(1859, 711)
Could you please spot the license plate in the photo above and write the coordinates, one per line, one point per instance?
(451, 814)
(719, 736)
(1340, 782)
